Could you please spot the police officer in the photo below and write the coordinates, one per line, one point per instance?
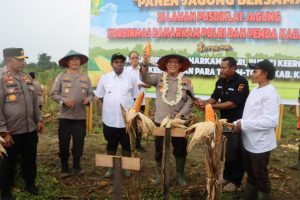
(20, 120)
(232, 90)
(171, 100)
(73, 90)
(38, 88)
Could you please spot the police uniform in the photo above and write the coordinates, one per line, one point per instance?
(19, 116)
(184, 106)
(235, 90)
(72, 121)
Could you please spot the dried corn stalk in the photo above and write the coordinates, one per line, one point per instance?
(136, 121)
(2, 150)
(210, 133)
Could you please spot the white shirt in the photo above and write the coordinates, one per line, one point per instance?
(136, 74)
(116, 90)
(260, 118)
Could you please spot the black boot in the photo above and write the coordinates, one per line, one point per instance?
(180, 164)
(31, 188)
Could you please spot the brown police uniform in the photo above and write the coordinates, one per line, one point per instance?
(163, 110)
(19, 115)
(72, 121)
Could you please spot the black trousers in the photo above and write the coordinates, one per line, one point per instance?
(179, 146)
(114, 136)
(256, 166)
(25, 146)
(139, 134)
(234, 169)
(77, 130)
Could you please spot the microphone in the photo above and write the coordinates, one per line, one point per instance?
(190, 94)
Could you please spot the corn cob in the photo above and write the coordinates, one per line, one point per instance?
(138, 102)
(209, 113)
(148, 49)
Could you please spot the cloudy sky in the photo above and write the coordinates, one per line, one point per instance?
(50, 26)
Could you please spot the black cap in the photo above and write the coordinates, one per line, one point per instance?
(117, 56)
(14, 52)
(265, 65)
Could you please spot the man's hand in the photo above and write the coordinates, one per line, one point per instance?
(40, 127)
(199, 103)
(69, 102)
(86, 101)
(8, 140)
(238, 128)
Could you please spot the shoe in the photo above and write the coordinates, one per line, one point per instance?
(78, 172)
(180, 164)
(224, 181)
(32, 189)
(7, 195)
(108, 173)
(141, 149)
(65, 174)
(127, 173)
(230, 187)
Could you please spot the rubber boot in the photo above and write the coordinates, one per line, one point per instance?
(264, 196)
(250, 192)
(126, 154)
(296, 165)
(180, 164)
(158, 173)
(109, 172)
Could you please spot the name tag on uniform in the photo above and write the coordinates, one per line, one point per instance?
(219, 87)
(231, 89)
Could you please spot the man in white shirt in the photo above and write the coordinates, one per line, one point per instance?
(115, 88)
(134, 70)
(260, 118)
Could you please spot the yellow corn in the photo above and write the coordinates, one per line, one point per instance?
(148, 49)
(209, 113)
(138, 102)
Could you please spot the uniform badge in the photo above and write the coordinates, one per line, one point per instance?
(12, 97)
(241, 87)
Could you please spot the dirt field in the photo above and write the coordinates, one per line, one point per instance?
(91, 185)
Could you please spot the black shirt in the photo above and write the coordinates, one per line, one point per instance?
(235, 90)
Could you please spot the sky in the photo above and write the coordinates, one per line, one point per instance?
(45, 26)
